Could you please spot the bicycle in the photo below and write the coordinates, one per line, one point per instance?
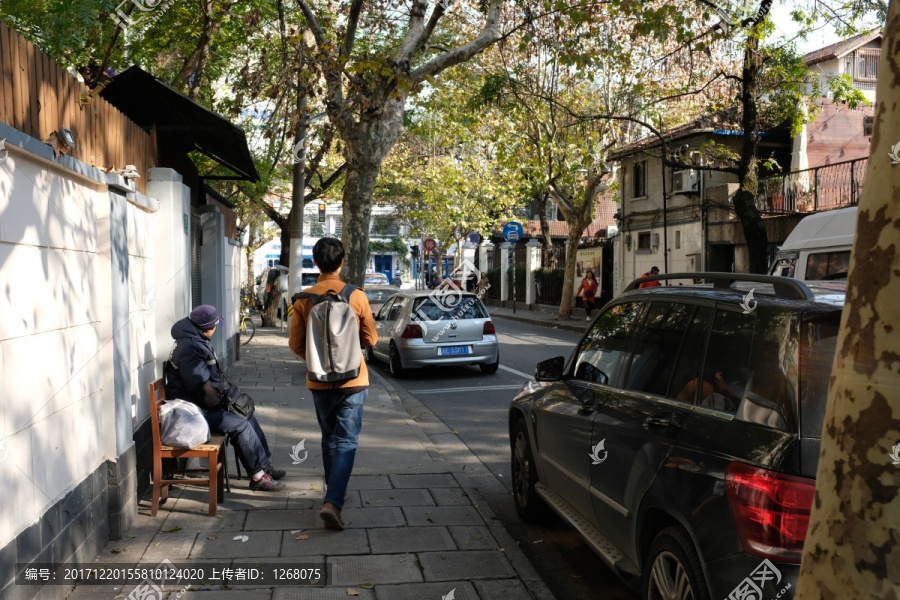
(247, 328)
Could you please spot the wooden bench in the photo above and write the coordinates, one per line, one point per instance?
(213, 450)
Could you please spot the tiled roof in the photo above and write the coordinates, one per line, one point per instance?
(841, 48)
(604, 209)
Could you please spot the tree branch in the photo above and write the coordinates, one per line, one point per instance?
(352, 22)
(489, 35)
(312, 22)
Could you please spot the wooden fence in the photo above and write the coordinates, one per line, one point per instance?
(38, 97)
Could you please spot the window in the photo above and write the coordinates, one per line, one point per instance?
(677, 240)
(867, 64)
(827, 265)
(451, 307)
(602, 354)
(653, 353)
(750, 368)
(685, 382)
(640, 179)
(644, 241)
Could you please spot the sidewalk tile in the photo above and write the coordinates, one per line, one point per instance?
(383, 568)
(441, 566)
(175, 546)
(462, 590)
(315, 593)
(272, 519)
(442, 515)
(232, 520)
(399, 497)
(324, 541)
(410, 539)
(259, 544)
(502, 588)
(450, 496)
(426, 480)
(389, 516)
(369, 482)
(473, 538)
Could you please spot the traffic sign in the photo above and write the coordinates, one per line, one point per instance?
(430, 244)
(513, 231)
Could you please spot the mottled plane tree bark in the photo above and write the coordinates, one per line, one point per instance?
(852, 547)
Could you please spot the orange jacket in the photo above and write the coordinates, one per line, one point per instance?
(587, 285)
(367, 334)
(648, 284)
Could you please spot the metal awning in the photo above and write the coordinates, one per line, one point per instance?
(149, 102)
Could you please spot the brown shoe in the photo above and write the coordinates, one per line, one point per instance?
(332, 517)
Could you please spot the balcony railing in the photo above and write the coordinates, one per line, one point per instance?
(830, 186)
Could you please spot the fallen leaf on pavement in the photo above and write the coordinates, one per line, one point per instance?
(118, 550)
(352, 592)
(367, 586)
(212, 537)
(171, 529)
(302, 537)
(296, 531)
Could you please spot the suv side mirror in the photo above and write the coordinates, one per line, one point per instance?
(550, 369)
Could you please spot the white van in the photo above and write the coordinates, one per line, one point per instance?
(819, 247)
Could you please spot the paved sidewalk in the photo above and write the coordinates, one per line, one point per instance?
(418, 528)
(576, 323)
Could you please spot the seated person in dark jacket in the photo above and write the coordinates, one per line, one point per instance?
(195, 376)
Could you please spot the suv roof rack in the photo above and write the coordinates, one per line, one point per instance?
(785, 287)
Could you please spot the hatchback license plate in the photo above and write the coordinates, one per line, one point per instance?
(450, 350)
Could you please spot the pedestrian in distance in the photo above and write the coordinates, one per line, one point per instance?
(650, 284)
(193, 375)
(588, 292)
(338, 404)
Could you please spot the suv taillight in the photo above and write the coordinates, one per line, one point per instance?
(771, 510)
(489, 328)
(412, 331)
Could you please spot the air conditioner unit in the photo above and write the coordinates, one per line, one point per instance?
(685, 182)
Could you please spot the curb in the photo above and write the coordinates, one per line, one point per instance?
(442, 436)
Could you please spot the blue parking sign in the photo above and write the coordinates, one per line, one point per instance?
(513, 231)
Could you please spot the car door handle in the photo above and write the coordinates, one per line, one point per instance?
(664, 420)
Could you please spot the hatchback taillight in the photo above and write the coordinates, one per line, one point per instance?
(771, 510)
(488, 328)
(412, 331)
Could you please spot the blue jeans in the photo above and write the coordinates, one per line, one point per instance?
(246, 435)
(340, 419)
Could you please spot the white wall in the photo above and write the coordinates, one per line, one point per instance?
(54, 289)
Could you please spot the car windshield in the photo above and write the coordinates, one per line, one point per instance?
(453, 307)
(376, 278)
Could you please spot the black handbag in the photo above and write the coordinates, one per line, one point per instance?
(236, 401)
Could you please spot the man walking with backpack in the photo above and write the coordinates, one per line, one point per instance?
(332, 322)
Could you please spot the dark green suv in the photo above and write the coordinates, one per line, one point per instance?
(681, 438)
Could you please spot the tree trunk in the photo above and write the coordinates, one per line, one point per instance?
(194, 65)
(852, 546)
(568, 291)
(748, 178)
(546, 241)
(359, 188)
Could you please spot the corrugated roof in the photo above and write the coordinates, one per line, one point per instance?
(840, 48)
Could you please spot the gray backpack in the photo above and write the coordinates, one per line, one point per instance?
(333, 353)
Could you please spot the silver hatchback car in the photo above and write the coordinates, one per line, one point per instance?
(424, 328)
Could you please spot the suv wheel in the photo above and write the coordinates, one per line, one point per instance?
(672, 569)
(529, 505)
(395, 364)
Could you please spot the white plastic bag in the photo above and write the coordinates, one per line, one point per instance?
(182, 425)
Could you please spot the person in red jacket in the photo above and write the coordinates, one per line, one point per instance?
(588, 291)
(649, 284)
